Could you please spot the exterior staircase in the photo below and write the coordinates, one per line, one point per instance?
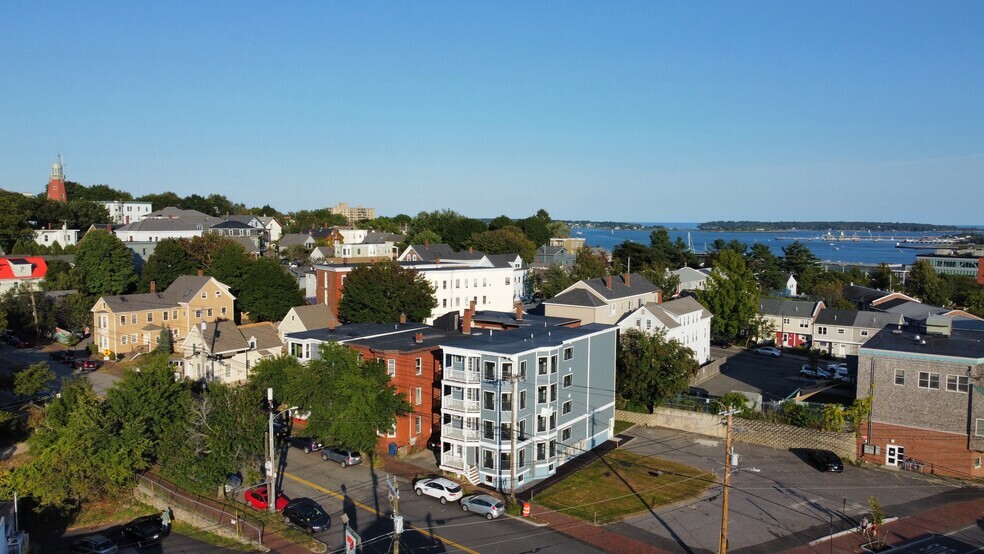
(472, 475)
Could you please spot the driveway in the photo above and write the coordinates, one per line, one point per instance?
(774, 378)
(777, 500)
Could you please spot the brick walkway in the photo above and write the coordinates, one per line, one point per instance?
(600, 537)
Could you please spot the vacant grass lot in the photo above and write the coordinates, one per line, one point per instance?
(622, 484)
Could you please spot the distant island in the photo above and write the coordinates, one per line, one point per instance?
(821, 226)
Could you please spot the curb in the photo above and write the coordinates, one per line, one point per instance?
(527, 520)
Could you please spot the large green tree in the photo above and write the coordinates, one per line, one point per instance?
(161, 200)
(652, 369)
(380, 292)
(507, 240)
(765, 267)
(797, 258)
(552, 281)
(33, 379)
(269, 293)
(925, 284)
(169, 261)
(731, 296)
(103, 265)
(15, 218)
(589, 265)
(151, 399)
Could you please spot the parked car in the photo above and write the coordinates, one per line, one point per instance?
(825, 460)
(307, 444)
(307, 514)
(489, 506)
(344, 456)
(87, 364)
(233, 482)
(16, 342)
(723, 343)
(63, 356)
(259, 498)
(95, 544)
(444, 489)
(832, 368)
(768, 351)
(698, 392)
(434, 443)
(145, 531)
(811, 372)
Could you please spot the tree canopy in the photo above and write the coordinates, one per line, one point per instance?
(507, 240)
(731, 296)
(380, 292)
(103, 265)
(269, 293)
(652, 369)
(169, 261)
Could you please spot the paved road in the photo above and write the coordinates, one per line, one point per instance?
(11, 358)
(774, 378)
(777, 500)
(173, 544)
(362, 493)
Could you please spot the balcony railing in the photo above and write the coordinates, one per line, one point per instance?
(450, 432)
(452, 461)
(457, 405)
(462, 376)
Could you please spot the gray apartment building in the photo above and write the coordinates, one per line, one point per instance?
(526, 401)
(927, 404)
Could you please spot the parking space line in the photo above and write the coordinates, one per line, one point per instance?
(377, 513)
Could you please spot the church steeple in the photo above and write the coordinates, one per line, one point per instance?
(56, 184)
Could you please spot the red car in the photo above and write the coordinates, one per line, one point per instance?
(257, 497)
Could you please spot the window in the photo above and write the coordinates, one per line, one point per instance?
(505, 431)
(553, 448)
(150, 317)
(419, 366)
(391, 367)
(957, 383)
(553, 420)
(785, 321)
(553, 392)
(223, 310)
(418, 396)
(210, 312)
(122, 339)
(506, 370)
(218, 294)
(840, 331)
(174, 314)
(541, 394)
(864, 333)
(489, 373)
(488, 429)
(565, 434)
(122, 320)
(568, 380)
(133, 338)
(977, 462)
(553, 364)
(979, 427)
(568, 353)
(541, 368)
(198, 314)
(444, 302)
(900, 377)
(821, 330)
(506, 402)
(522, 459)
(541, 451)
(522, 430)
(929, 380)
(568, 406)
(541, 424)
(504, 459)
(164, 315)
(522, 400)
(489, 398)
(133, 319)
(522, 369)
(488, 459)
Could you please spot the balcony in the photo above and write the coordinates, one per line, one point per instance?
(457, 433)
(448, 403)
(453, 462)
(462, 376)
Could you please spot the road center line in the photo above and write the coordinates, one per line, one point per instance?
(375, 512)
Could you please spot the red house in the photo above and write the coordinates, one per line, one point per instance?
(17, 270)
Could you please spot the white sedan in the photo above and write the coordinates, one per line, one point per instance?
(768, 351)
(444, 489)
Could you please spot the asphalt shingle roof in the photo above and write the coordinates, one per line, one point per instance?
(787, 308)
(576, 297)
(637, 285)
(183, 289)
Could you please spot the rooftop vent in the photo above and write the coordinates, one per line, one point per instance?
(939, 325)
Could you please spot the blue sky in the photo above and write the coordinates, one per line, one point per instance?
(633, 111)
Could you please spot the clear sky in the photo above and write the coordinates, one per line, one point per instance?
(630, 111)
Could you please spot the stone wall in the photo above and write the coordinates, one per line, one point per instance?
(763, 433)
(708, 370)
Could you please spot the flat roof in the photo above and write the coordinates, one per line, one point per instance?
(961, 343)
(517, 341)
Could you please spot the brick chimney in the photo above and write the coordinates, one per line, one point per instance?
(519, 311)
(627, 276)
(608, 281)
(471, 250)
(153, 287)
(201, 273)
(109, 228)
(466, 324)
(403, 318)
(659, 297)
(427, 243)
(331, 325)
(418, 338)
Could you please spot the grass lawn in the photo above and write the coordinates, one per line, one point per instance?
(621, 426)
(620, 485)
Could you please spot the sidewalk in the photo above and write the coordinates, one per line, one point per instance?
(600, 537)
(942, 519)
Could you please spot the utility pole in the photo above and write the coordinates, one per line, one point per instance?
(397, 518)
(512, 436)
(723, 547)
(271, 472)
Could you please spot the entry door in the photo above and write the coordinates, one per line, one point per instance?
(894, 455)
(843, 348)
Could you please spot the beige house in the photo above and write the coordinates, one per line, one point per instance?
(603, 300)
(843, 332)
(306, 318)
(222, 351)
(131, 323)
(791, 319)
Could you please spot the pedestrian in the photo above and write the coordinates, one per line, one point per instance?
(864, 525)
(166, 519)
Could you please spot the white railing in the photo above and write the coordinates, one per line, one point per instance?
(452, 462)
(459, 405)
(462, 376)
(450, 432)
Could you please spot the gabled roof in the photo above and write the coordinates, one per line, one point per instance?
(224, 337)
(291, 239)
(654, 310)
(232, 224)
(431, 252)
(788, 308)
(176, 213)
(322, 252)
(176, 224)
(576, 297)
(377, 237)
(683, 305)
(828, 316)
(506, 260)
(550, 250)
(637, 285)
(314, 316)
(243, 218)
(181, 291)
(910, 309)
(23, 267)
(687, 274)
(246, 242)
(267, 219)
(863, 295)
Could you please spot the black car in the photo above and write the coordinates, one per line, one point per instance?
(307, 444)
(825, 460)
(87, 364)
(307, 514)
(145, 531)
(723, 343)
(95, 544)
(63, 356)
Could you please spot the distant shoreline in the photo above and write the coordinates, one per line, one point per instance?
(780, 227)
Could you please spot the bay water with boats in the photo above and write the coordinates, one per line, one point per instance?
(848, 247)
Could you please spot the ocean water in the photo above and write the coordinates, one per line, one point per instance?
(864, 250)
